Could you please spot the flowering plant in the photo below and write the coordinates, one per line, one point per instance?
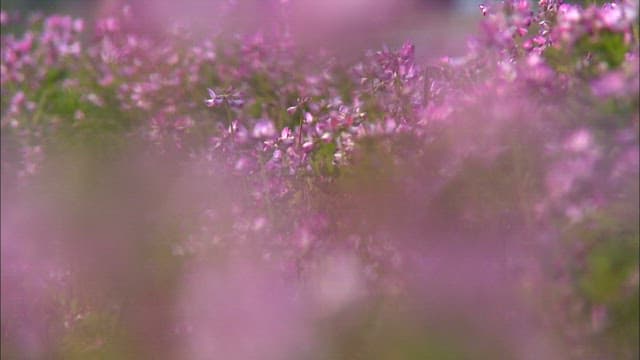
(185, 196)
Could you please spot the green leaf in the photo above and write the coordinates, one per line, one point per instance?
(322, 162)
(608, 47)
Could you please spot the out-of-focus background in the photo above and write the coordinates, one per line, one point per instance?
(437, 27)
(457, 5)
(349, 27)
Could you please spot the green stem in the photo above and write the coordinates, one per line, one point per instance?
(300, 132)
(229, 113)
(40, 107)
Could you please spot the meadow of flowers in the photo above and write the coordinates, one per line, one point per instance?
(177, 194)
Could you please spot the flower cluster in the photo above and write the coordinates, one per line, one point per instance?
(340, 184)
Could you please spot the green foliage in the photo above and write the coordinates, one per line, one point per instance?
(605, 47)
(608, 47)
(96, 335)
(484, 192)
(609, 265)
(376, 332)
(558, 60)
(322, 162)
(606, 275)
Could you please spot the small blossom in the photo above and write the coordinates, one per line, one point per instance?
(4, 18)
(263, 129)
(78, 115)
(78, 25)
(483, 9)
(609, 84)
(307, 146)
(214, 99)
(234, 100)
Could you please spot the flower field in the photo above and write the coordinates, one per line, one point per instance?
(170, 193)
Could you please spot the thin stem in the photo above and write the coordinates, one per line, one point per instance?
(229, 113)
(300, 133)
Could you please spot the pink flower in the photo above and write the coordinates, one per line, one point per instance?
(609, 84)
(4, 18)
(263, 129)
(214, 99)
(232, 99)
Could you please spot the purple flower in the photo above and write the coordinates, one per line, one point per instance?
(307, 146)
(292, 110)
(214, 99)
(609, 84)
(4, 18)
(234, 100)
(484, 9)
(263, 129)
